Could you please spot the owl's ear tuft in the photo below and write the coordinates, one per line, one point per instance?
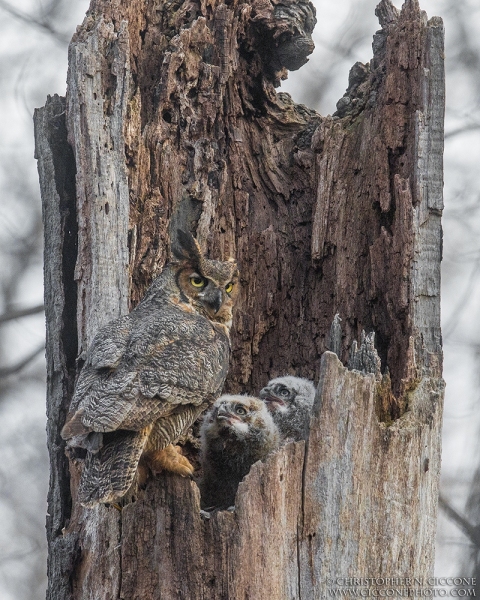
(186, 247)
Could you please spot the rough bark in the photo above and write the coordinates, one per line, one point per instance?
(172, 119)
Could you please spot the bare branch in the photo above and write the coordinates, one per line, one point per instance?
(19, 555)
(471, 531)
(42, 23)
(453, 321)
(6, 371)
(463, 129)
(23, 312)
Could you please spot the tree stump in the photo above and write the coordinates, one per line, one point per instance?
(172, 120)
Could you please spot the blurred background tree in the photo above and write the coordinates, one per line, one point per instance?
(34, 39)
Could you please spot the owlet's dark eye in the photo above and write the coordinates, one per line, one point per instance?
(240, 410)
(229, 287)
(197, 281)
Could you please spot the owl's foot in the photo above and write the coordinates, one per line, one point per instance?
(170, 459)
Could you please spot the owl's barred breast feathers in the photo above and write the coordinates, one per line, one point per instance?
(153, 371)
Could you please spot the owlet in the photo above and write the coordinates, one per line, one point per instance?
(237, 432)
(290, 402)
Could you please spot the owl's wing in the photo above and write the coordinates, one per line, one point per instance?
(109, 344)
(104, 354)
(112, 400)
(187, 368)
(164, 364)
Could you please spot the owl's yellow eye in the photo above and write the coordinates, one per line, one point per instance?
(240, 410)
(197, 281)
(229, 287)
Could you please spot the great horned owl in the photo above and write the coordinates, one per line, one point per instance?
(290, 401)
(150, 374)
(237, 432)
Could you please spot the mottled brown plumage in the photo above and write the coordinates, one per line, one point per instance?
(237, 432)
(151, 373)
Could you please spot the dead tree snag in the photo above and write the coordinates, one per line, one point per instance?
(172, 119)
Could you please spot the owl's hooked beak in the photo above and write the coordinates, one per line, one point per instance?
(263, 393)
(213, 299)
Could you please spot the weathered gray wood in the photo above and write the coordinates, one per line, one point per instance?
(173, 120)
(249, 553)
(56, 168)
(96, 118)
(428, 205)
(369, 488)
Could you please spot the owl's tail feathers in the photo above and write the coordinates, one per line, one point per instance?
(108, 474)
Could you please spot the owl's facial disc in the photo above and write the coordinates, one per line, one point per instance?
(207, 294)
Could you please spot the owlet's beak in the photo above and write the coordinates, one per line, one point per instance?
(222, 412)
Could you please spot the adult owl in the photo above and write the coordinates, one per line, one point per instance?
(149, 375)
(237, 432)
(290, 401)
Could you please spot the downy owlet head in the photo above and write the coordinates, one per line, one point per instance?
(290, 401)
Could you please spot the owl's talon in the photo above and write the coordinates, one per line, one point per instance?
(170, 459)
